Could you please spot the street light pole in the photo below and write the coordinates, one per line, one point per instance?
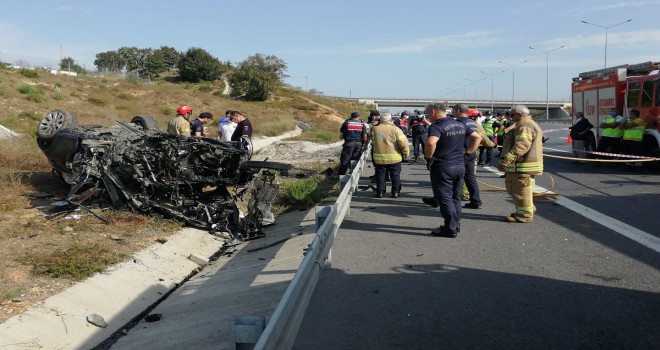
(513, 79)
(547, 77)
(492, 85)
(475, 82)
(606, 28)
(463, 86)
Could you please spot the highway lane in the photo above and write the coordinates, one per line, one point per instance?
(563, 281)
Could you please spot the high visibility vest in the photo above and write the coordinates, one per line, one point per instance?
(636, 133)
(612, 132)
(488, 127)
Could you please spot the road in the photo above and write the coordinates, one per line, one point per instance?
(564, 281)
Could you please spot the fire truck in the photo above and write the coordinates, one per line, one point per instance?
(624, 88)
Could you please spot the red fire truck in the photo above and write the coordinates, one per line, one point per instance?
(624, 87)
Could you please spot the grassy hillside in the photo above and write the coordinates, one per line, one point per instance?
(42, 256)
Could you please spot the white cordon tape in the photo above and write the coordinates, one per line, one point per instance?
(618, 155)
(553, 130)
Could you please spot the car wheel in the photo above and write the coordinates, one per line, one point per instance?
(54, 122)
(145, 122)
(245, 144)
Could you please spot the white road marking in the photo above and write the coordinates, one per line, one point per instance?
(637, 235)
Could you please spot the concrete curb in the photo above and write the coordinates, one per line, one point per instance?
(117, 295)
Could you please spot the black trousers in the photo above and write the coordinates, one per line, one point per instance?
(613, 143)
(471, 179)
(394, 172)
(418, 141)
(447, 187)
(487, 152)
(352, 150)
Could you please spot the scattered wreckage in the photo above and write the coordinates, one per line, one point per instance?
(135, 165)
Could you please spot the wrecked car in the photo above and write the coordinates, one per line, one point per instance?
(135, 165)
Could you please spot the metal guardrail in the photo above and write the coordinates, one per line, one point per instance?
(281, 331)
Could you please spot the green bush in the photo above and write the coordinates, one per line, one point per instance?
(167, 111)
(323, 137)
(58, 96)
(28, 73)
(2, 90)
(59, 85)
(205, 86)
(25, 89)
(299, 191)
(36, 96)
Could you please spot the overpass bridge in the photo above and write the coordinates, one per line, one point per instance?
(556, 108)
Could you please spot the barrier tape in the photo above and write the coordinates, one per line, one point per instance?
(553, 130)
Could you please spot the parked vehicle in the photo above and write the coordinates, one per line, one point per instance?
(624, 88)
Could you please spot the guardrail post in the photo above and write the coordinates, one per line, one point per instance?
(247, 330)
(322, 213)
(354, 164)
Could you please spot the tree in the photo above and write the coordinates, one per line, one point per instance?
(257, 76)
(69, 64)
(198, 65)
(161, 60)
(135, 59)
(110, 61)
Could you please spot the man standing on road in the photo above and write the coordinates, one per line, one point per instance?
(579, 135)
(354, 133)
(180, 125)
(489, 132)
(633, 135)
(521, 160)
(227, 130)
(461, 111)
(390, 149)
(445, 152)
(417, 125)
(243, 126)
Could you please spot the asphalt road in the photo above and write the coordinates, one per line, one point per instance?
(564, 281)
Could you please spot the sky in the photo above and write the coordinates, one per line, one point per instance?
(424, 49)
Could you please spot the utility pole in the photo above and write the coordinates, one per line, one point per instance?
(547, 77)
(606, 28)
(513, 79)
(492, 85)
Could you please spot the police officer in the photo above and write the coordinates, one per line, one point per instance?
(354, 133)
(417, 125)
(461, 111)
(444, 152)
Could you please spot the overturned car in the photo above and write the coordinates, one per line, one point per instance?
(137, 166)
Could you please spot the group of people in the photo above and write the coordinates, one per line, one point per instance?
(619, 135)
(450, 145)
(233, 125)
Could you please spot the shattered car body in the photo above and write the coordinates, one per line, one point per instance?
(137, 166)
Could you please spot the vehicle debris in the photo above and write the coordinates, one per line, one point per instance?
(136, 166)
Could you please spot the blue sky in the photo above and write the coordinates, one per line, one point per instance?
(404, 49)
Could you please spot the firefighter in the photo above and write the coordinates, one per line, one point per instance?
(180, 125)
(521, 160)
(354, 133)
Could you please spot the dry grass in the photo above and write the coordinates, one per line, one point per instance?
(43, 253)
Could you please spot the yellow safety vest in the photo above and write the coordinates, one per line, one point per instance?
(636, 133)
(612, 132)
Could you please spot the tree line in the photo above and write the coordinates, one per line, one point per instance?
(254, 78)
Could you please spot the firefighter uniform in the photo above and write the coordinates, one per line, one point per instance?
(521, 160)
(179, 125)
(390, 149)
(354, 133)
(418, 129)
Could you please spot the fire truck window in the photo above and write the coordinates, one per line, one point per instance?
(633, 94)
(647, 94)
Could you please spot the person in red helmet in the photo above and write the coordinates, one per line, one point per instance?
(180, 125)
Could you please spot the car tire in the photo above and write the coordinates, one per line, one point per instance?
(55, 121)
(145, 122)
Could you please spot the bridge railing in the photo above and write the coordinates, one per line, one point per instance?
(282, 328)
